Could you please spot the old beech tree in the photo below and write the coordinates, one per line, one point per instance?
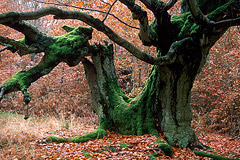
(182, 43)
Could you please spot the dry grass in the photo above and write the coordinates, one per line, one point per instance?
(18, 136)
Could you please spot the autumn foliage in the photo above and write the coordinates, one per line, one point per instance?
(64, 94)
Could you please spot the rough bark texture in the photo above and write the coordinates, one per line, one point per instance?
(182, 41)
(164, 103)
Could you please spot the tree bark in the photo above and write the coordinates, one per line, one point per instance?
(163, 105)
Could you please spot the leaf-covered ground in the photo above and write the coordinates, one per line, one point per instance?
(20, 139)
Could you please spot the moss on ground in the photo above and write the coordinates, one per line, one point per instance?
(100, 133)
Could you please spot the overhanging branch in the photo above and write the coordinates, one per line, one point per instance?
(141, 15)
(109, 11)
(16, 45)
(100, 26)
(90, 9)
(171, 56)
(88, 19)
(4, 48)
(227, 22)
(169, 4)
(70, 48)
(32, 34)
(197, 14)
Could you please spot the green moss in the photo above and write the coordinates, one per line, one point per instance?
(58, 139)
(165, 147)
(184, 25)
(179, 20)
(206, 6)
(71, 47)
(68, 28)
(221, 9)
(213, 156)
(153, 31)
(19, 81)
(100, 133)
(23, 40)
(134, 117)
(124, 145)
(153, 155)
(87, 154)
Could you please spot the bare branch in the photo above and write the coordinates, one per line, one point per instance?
(147, 3)
(88, 19)
(197, 14)
(100, 26)
(88, 9)
(105, 2)
(32, 34)
(171, 56)
(25, 49)
(227, 23)
(157, 6)
(109, 11)
(169, 4)
(141, 15)
(4, 48)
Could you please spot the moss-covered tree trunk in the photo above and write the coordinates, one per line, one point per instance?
(163, 105)
(183, 42)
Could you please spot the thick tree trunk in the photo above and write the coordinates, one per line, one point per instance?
(163, 105)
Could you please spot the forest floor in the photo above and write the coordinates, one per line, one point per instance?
(24, 139)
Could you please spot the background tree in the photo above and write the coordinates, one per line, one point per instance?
(182, 41)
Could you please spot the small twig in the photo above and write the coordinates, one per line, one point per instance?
(4, 48)
(2, 92)
(88, 9)
(169, 4)
(19, 46)
(105, 2)
(227, 22)
(109, 11)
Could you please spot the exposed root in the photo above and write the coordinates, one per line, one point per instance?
(165, 147)
(204, 154)
(100, 133)
(213, 156)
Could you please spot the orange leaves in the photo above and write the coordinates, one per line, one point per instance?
(113, 146)
(216, 89)
(79, 4)
(13, 151)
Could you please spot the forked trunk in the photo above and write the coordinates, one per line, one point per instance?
(163, 105)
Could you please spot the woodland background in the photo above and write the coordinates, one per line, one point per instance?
(64, 94)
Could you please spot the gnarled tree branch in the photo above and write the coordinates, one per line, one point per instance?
(141, 15)
(88, 19)
(4, 48)
(90, 9)
(197, 14)
(70, 48)
(32, 34)
(16, 45)
(169, 4)
(175, 48)
(227, 22)
(109, 11)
